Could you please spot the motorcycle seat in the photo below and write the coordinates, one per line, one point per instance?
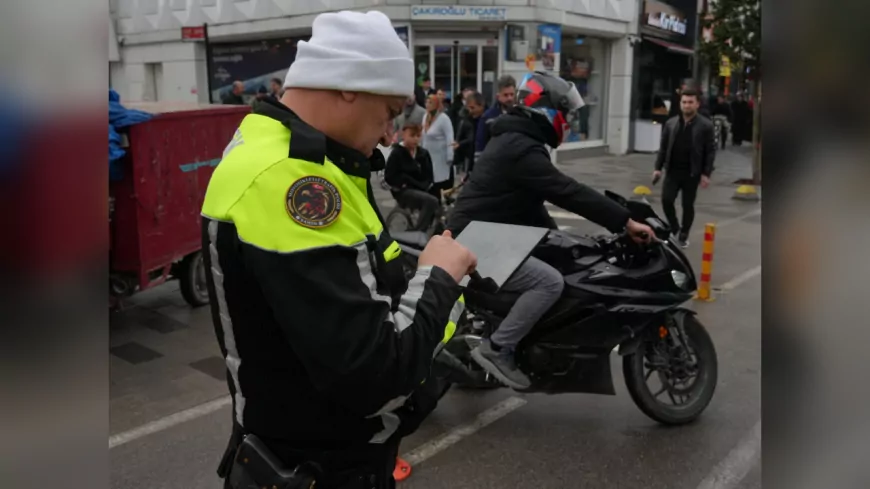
(415, 239)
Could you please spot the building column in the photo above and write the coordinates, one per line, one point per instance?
(619, 102)
(173, 71)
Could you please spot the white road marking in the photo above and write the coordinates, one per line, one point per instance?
(565, 228)
(433, 447)
(740, 279)
(728, 222)
(728, 473)
(169, 421)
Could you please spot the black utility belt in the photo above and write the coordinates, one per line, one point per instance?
(255, 466)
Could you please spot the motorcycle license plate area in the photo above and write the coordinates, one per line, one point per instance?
(500, 248)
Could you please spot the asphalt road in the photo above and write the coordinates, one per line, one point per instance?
(165, 361)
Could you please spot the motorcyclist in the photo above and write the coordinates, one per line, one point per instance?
(512, 179)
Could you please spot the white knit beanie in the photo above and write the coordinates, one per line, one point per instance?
(354, 52)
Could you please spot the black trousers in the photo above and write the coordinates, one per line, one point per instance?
(372, 469)
(687, 185)
(425, 202)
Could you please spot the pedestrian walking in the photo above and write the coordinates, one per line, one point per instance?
(463, 152)
(328, 346)
(686, 155)
(423, 90)
(505, 98)
(276, 87)
(411, 114)
(722, 119)
(457, 109)
(741, 128)
(438, 141)
(234, 96)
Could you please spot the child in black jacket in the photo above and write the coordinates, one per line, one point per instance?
(409, 175)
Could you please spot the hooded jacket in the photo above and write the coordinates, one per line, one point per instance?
(514, 176)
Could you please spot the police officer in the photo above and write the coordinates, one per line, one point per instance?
(327, 347)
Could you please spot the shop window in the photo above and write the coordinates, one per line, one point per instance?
(490, 69)
(584, 62)
(421, 64)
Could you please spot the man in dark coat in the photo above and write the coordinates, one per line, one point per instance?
(741, 127)
(686, 154)
(466, 131)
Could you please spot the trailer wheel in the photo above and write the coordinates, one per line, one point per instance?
(192, 278)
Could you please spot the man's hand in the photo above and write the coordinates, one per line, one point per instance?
(445, 253)
(656, 175)
(455, 144)
(705, 181)
(640, 233)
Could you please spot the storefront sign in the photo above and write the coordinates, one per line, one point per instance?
(458, 13)
(194, 33)
(665, 17)
(253, 63)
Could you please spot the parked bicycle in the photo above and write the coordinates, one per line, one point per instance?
(402, 219)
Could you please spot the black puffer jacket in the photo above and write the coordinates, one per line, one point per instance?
(514, 176)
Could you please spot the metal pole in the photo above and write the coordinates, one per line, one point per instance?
(756, 135)
(696, 56)
(207, 63)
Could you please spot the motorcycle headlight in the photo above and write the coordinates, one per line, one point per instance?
(680, 278)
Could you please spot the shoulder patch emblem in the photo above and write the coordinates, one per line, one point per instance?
(313, 202)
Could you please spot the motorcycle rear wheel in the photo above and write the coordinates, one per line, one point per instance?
(698, 395)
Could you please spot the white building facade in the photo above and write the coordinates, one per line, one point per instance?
(467, 43)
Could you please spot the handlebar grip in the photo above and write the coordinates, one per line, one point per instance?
(477, 281)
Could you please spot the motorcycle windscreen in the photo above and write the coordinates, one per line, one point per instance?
(500, 248)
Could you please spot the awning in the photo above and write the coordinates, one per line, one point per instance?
(671, 46)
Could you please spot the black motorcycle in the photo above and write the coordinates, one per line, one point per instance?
(618, 294)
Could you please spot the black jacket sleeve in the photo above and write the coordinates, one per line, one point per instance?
(426, 167)
(357, 347)
(393, 170)
(465, 138)
(709, 145)
(663, 146)
(536, 173)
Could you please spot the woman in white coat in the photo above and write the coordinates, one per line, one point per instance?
(438, 141)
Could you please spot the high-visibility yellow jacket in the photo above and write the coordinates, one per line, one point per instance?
(324, 338)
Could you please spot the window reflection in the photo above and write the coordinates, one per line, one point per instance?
(584, 64)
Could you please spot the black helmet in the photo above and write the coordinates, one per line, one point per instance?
(550, 101)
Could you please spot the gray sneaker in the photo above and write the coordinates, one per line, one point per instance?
(501, 364)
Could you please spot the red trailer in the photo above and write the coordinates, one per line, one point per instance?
(154, 221)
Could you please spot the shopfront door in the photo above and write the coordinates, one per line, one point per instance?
(454, 65)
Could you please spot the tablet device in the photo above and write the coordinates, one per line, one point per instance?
(500, 248)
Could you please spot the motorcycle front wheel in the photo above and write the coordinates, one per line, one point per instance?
(685, 366)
